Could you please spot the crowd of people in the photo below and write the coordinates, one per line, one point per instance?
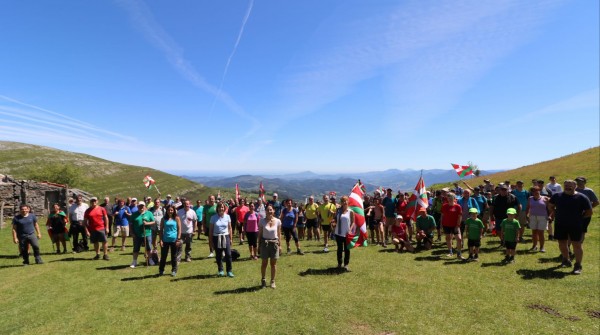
(502, 210)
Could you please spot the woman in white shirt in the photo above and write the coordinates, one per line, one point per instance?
(270, 243)
(344, 225)
(220, 232)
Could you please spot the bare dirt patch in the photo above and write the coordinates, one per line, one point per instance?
(553, 312)
(593, 314)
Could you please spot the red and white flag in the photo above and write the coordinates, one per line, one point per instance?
(417, 200)
(148, 182)
(462, 170)
(237, 192)
(261, 193)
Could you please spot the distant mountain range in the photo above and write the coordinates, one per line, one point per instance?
(302, 184)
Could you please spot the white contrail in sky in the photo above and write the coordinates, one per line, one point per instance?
(235, 46)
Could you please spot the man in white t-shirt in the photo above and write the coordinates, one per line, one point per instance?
(553, 186)
(188, 219)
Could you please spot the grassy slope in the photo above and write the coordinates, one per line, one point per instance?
(585, 163)
(103, 177)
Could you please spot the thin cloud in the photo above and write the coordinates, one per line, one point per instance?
(584, 101)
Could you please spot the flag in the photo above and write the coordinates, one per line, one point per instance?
(237, 192)
(261, 193)
(462, 170)
(332, 193)
(148, 182)
(417, 200)
(360, 236)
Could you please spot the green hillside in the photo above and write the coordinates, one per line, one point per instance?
(585, 163)
(102, 177)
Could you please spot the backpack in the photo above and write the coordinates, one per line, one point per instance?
(79, 247)
(234, 254)
(154, 260)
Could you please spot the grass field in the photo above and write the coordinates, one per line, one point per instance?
(385, 293)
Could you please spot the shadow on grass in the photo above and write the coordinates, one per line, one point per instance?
(10, 266)
(440, 252)
(240, 290)
(485, 265)
(491, 249)
(9, 256)
(456, 262)
(547, 260)
(196, 277)
(156, 275)
(549, 273)
(70, 259)
(322, 272)
(113, 267)
(428, 258)
(388, 250)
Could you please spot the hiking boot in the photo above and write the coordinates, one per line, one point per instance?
(188, 259)
(263, 283)
(273, 284)
(174, 273)
(97, 257)
(566, 263)
(105, 257)
(300, 252)
(39, 261)
(230, 274)
(511, 259)
(577, 269)
(289, 251)
(551, 237)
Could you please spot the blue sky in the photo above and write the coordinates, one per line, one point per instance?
(327, 86)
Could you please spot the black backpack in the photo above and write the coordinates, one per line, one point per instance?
(234, 254)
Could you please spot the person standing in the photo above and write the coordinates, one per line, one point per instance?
(210, 209)
(537, 217)
(522, 196)
(570, 210)
(76, 213)
(509, 233)
(57, 223)
(220, 232)
(326, 214)
(312, 223)
(276, 204)
(553, 186)
(581, 188)
(109, 211)
(199, 208)
(344, 225)
(451, 219)
(240, 214)
(170, 236)
(96, 226)
(500, 204)
(289, 220)
(270, 244)
(188, 219)
(158, 211)
(251, 221)
(121, 224)
(389, 205)
(141, 221)
(26, 232)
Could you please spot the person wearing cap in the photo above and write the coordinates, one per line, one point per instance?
(581, 188)
(168, 201)
(276, 204)
(133, 205)
(400, 236)
(457, 189)
(109, 210)
(500, 204)
(509, 232)
(141, 232)
(570, 210)
(553, 186)
(76, 213)
(96, 227)
(537, 217)
(149, 203)
(474, 230)
(389, 205)
(522, 196)
(326, 214)
(425, 225)
(451, 219)
(488, 187)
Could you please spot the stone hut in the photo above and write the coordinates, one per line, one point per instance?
(39, 195)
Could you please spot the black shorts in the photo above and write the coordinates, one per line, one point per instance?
(451, 230)
(312, 223)
(289, 233)
(438, 219)
(98, 236)
(573, 232)
(326, 227)
(510, 245)
(474, 243)
(251, 238)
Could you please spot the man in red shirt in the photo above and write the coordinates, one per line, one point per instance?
(95, 221)
(451, 218)
(401, 210)
(240, 214)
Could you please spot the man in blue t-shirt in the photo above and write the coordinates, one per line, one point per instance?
(25, 228)
(389, 210)
(522, 196)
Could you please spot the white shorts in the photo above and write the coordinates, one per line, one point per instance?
(538, 222)
(120, 231)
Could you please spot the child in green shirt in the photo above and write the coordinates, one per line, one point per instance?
(474, 229)
(510, 228)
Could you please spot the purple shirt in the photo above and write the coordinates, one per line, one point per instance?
(537, 207)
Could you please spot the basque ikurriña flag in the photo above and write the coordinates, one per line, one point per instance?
(417, 200)
(148, 182)
(355, 202)
(462, 170)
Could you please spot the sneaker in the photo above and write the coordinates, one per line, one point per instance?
(105, 257)
(263, 283)
(533, 249)
(133, 265)
(289, 251)
(450, 255)
(346, 268)
(123, 248)
(188, 259)
(97, 257)
(211, 255)
(325, 249)
(221, 274)
(551, 237)
(521, 240)
(300, 252)
(230, 274)
(160, 273)
(511, 259)
(384, 245)
(39, 261)
(476, 257)
(542, 250)
(273, 284)
(577, 269)
(566, 263)
(173, 274)
(506, 259)
(459, 256)
(111, 249)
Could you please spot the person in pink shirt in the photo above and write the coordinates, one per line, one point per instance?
(400, 235)
(250, 228)
(240, 214)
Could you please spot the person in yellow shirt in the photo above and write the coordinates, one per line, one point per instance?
(312, 222)
(326, 214)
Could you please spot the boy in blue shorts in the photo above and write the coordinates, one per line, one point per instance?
(474, 230)
(510, 228)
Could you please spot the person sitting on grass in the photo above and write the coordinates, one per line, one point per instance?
(425, 228)
(510, 229)
(400, 235)
(474, 229)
